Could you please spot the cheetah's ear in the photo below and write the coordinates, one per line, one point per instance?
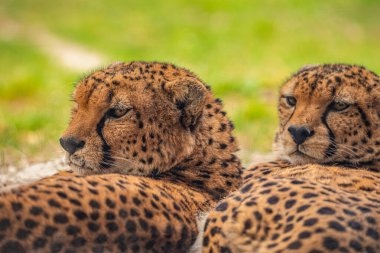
(189, 95)
(308, 67)
(114, 64)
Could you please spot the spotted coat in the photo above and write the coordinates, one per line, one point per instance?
(150, 148)
(324, 195)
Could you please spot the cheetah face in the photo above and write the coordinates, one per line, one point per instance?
(330, 114)
(138, 118)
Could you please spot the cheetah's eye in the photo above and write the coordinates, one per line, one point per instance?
(118, 112)
(291, 101)
(340, 106)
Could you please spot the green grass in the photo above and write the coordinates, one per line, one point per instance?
(244, 49)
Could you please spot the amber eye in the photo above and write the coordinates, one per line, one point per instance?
(291, 100)
(117, 112)
(340, 106)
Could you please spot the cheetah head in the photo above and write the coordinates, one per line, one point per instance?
(138, 118)
(330, 114)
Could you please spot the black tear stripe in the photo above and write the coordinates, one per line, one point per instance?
(291, 115)
(331, 149)
(363, 116)
(107, 160)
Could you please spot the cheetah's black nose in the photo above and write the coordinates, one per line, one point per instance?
(71, 144)
(300, 134)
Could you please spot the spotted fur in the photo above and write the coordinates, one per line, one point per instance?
(164, 150)
(324, 196)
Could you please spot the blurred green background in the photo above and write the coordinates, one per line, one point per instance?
(244, 49)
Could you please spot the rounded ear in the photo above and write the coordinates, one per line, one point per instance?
(114, 64)
(189, 95)
(308, 66)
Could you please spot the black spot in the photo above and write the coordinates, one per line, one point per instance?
(93, 226)
(290, 203)
(288, 228)
(60, 218)
(74, 189)
(222, 207)
(337, 226)
(78, 241)
(247, 224)
(112, 226)
(349, 212)
(223, 146)
(49, 230)
(148, 214)
(62, 195)
(225, 250)
(364, 209)
(54, 203)
(130, 226)
(110, 216)
(277, 217)
(12, 247)
(355, 225)
(22, 234)
(56, 247)
(35, 210)
(295, 245)
(123, 213)
(16, 206)
(258, 215)
(110, 187)
(72, 230)
(206, 241)
(371, 220)
(110, 203)
(302, 208)
(330, 243)
(80, 215)
(29, 223)
(269, 184)
(4, 224)
(304, 235)
(94, 215)
(356, 245)
(94, 204)
(310, 222)
(246, 188)
(39, 243)
(373, 234)
(273, 200)
(101, 238)
(136, 201)
(310, 195)
(143, 224)
(134, 212)
(326, 211)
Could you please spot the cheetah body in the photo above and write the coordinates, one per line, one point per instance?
(150, 148)
(324, 195)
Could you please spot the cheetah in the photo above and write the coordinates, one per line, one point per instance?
(323, 195)
(150, 148)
